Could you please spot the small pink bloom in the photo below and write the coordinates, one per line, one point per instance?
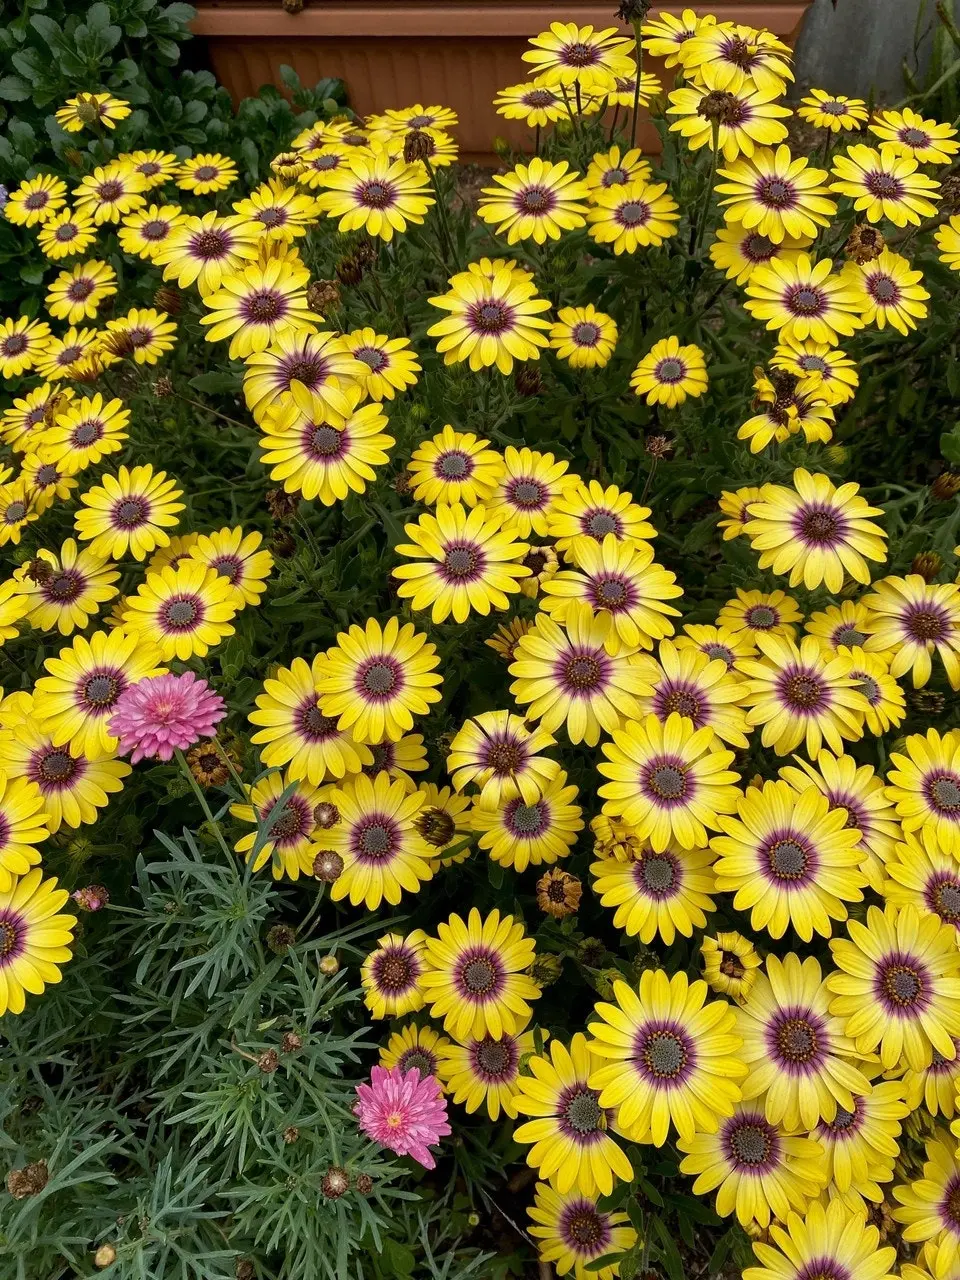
(155, 716)
(400, 1111)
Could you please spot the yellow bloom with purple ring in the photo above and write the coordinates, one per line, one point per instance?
(584, 337)
(909, 134)
(455, 466)
(634, 215)
(536, 201)
(670, 372)
(885, 184)
(186, 611)
(494, 319)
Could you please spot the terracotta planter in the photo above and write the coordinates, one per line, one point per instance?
(393, 53)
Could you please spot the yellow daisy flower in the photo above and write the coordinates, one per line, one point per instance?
(912, 620)
(633, 215)
(587, 510)
(22, 342)
(61, 354)
(494, 319)
(257, 304)
(928, 1206)
(735, 507)
(833, 111)
(760, 613)
(455, 466)
(377, 194)
(925, 877)
(666, 36)
(537, 201)
(584, 337)
(85, 430)
(13, 608)
(321, 362)
(738, 251)
(830, 370)
(924, 784)
(568, 56)
(885, 184)
(36, 201)
(660, 894)
(483, 1071)
(66, 233)
(615, 168)
(205, 250)
(418, 1048)
(77, 294)
(776, 195)
(390, 975)
(143, 333)
(110, 192)
(37, 937)
(66, 595)
(833, 1240)
(801, 299)
(89, 109)
(500, 754)
(206, 173)
(716, 642)
(18, 508)
(534, 104)
(519, 833)
(145, 232)
(886, 703)
(156, 167)
(283, 212)
(889, 291)
(186, 611)
(529, 487)
(737, 56)
(129, 511)
(948, 242)
(909, 134)
(282, 809)
(669, 373)
(240, 558)
(749, 117)
(314, 164)
(572, 1232)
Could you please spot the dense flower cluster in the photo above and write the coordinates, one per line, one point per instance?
(787, 1073)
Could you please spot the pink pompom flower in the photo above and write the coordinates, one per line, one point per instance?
(400, 1111)
(156, 716)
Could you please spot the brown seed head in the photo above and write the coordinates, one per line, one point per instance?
(280, 938)
(323, 295)
(28, 1181)
(290, 1043)
(418, 145)
(719, 106)
(335, 1182)
(268, 1061)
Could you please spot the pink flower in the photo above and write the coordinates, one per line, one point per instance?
(402, 1112)
(155, 716)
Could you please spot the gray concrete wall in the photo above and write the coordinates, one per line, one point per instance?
(855, 46)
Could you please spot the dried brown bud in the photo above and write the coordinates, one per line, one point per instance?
(105, 1256)
(92, 898)
(633, 10)
(327, 866)
(436, 826)
(366, 253)
(244, 1269)
(528, 381)
(418, 145)
(950, 194)
(208, 766)
(268, 1061)
(335, 1182)
(323, 295)
(945, 486)
(364, 1183)
(39, 571)
(926, 702)
(329, 966)
(659, 446)
(720, 107)
(282, 505)
(28, 1181)
(280, 938)
(168, 299)
(290, 1043)
(291, 1134)
(928, 564)
(119, 342)
(349, 270)
(163, 387)
(402, 484)
(326, 815)
(864, 244)
(558, 893)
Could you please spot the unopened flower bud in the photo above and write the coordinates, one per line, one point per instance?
(336, 1181)
(280, 938)
(282, 505)
(364, 1183)
(349, 270)
(73, 156)
(926, 702)
(945, 486)
(402, 484)
(528, 381)
(659, 447)
(291, 6)
(86, 109)
(282, 544)
(291, 1134)
(837, 454)
(168, 299)
(633, 10)
(105, 1256)
(244, 1269)
(546, 969)
(591, 953)
(326, 815)
(290, 1043)
(92, 898)
(329, 966)
(928, 564)
(436, 826)
(327, 866)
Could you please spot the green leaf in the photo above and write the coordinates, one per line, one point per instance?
(218, 382)
(950, 445)
(14, 89)
(400, 1258)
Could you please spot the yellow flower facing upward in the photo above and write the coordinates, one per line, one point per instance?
(385, 365)
(536, 201)
(704, 689)
(802, 299)
(518, 834)
(658, 894)
(145, 231)
(913, 619)
(589, 511)
(666, 35)
(737, 56)
(482, 1071)
(156, 167)
(827, 369)
(924, 784)
(322, 363)
(572, 1231)
(498, 752)
(84, 431)
(22, 343)
(282, 811)
(567, 56)
(110, 192)
(455, 466)
(391, 973)
(129, 511)
(37, 201)
(669, 373)
(923, 876)
(19, 506)
(462, 560)
(831, 1240)
(204, 250)
(206, 174)
(777, 195)
(67, 597)
(633, 215)
(256, 305)
(67, 233)
(909, 134)
(239, 557)
(584, 337)
(833, 111)
(377, 194)
(948, 242)
(184, 611)
(493, 319)
(758, 613)
(615, 168)
(285, 213)
(889, 291)
(76, 295)
(738, 251)
(529, 488)
(928, 1207)
(534, 104)
(90, 110)
(143, 333)
(885, 184)
(735, 507)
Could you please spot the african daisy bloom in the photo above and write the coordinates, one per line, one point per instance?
(22, 342)
(665, 36)
(455, 466)
(632, 216)
(499, 752)
(157, 716)
(730, 965)
(909, 134)
(68, 596)
(519, 834)
(35, 938)
(801, 299)
(390, 975)
(240, 558)
(377, 194)
(890, 291)
(701, 688)
(157, 167)
(569, 1130)
(537, 201)
(483, 1071)
(897, 985)
(776, 195)
(130, 511)
(885, 184)
(782, 414)
(84, 431)
(672, 1057)
(416, 1046)
(843, 626)
(758, 1169)
(77, 697)
(789, 859)
(923, 876)
(145, 231)
(534, 104)
(313, 165)
(319, 460)
(659, 895)
(109, 192)
(924, 784)
(529, 487)
(816, 532)
(669, 373)
(801, 695)
(745, 119)
(948, 242)
(384, 853)
(572, 1231)
(143, 333)
(858, 791)
(735, 507)
(62, 354)
(184, 611)
(584, 337)
(386, 365)
(463, 560)
(282, 211)
(206, 174)
(320, 362)
(587, 510)
(861, 1144)
(204, 250)
(282, 810)
(716, 642)
(13, 607)
(76, 295)
(475, 979)
(255, 305)
(827, 371)
(377, 679)
(621, 579)
(668, 780)
(66, 233)
(886, 704)
(738, 251)
(36, 201)
(929, 1208)
(403, 1112)
(824, 1241)
(569, 56)
(737, 55)
(613, 168)
(833, 111)
(914, 619)
(578, 674)
(403, 119)
(87, 109)
(494, 319)
(24, 823)
(18, 508)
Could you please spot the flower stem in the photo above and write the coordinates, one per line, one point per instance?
(636, 87)
(202, 799)
(446, 239)
(708, 192)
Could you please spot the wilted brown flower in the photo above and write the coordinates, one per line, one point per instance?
(418, 145)
(291, 1134)
(323, 295)
(528, 381)
(290, 1043)
(282, 505)
(558, 893)
(28, 1181)
(436, 826)
(291, 6)
(326, 815)
(268, 1061)
(864, 244)
(364, 1183)
(658, 447)
(335, 1182)
(280, 938)
(208, 765)
(719, 106)
(39, 571)
(163, 387)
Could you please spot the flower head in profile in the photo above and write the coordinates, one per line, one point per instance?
(403, 1113)
(161, 714)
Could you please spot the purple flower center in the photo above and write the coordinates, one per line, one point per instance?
(580, 1114)
(526, 819)
(462, 562)
(376, 838)
(883, 289)
(803, 691)
(289, 824)
(666, 781)
(883, 185)
(579, 54)
(657, 875)
(384, 758)
(758, 248)
(943, 793)
(375, 195)
(479, 975)
(585, 334)
(64, 586)
(943, 897)
(789, 859)
(662, 1054)
(379, 678)
(110, 191)
(36, 200)
(129, 513)
(312, 371)
(615, 178)
(584, 1230)
(394, 970)
(182, 613)
(535, 200)
(495, 1060)
(15, 512)
(210, 244)
(633, 213)
(13, 937)
(797, 1040)
(902, 985)
(54, 768)
(265, 306)
(14, 344)
(583, 673)
(805, 300)
(776, 193)
(751, 1144)
(314, 726)
(206, 172)
(845, 1125)
(720, 651)
(373, 357)
(670, 371)
(598, 524)
(324, 442)
(504, 757)
(491, 316)
(454, 465)
(539, 98)
(419, 1059)
(848, 635)
(155, 229)
(915, 137)
(681, 698)
(101, 690)
(614, 594)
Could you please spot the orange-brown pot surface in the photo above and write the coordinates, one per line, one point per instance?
(393, 53)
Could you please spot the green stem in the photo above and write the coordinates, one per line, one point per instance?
(574, 124)
(636, 87)
(198, 404)
(202, 799)
(446, 239)
(705, 209)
